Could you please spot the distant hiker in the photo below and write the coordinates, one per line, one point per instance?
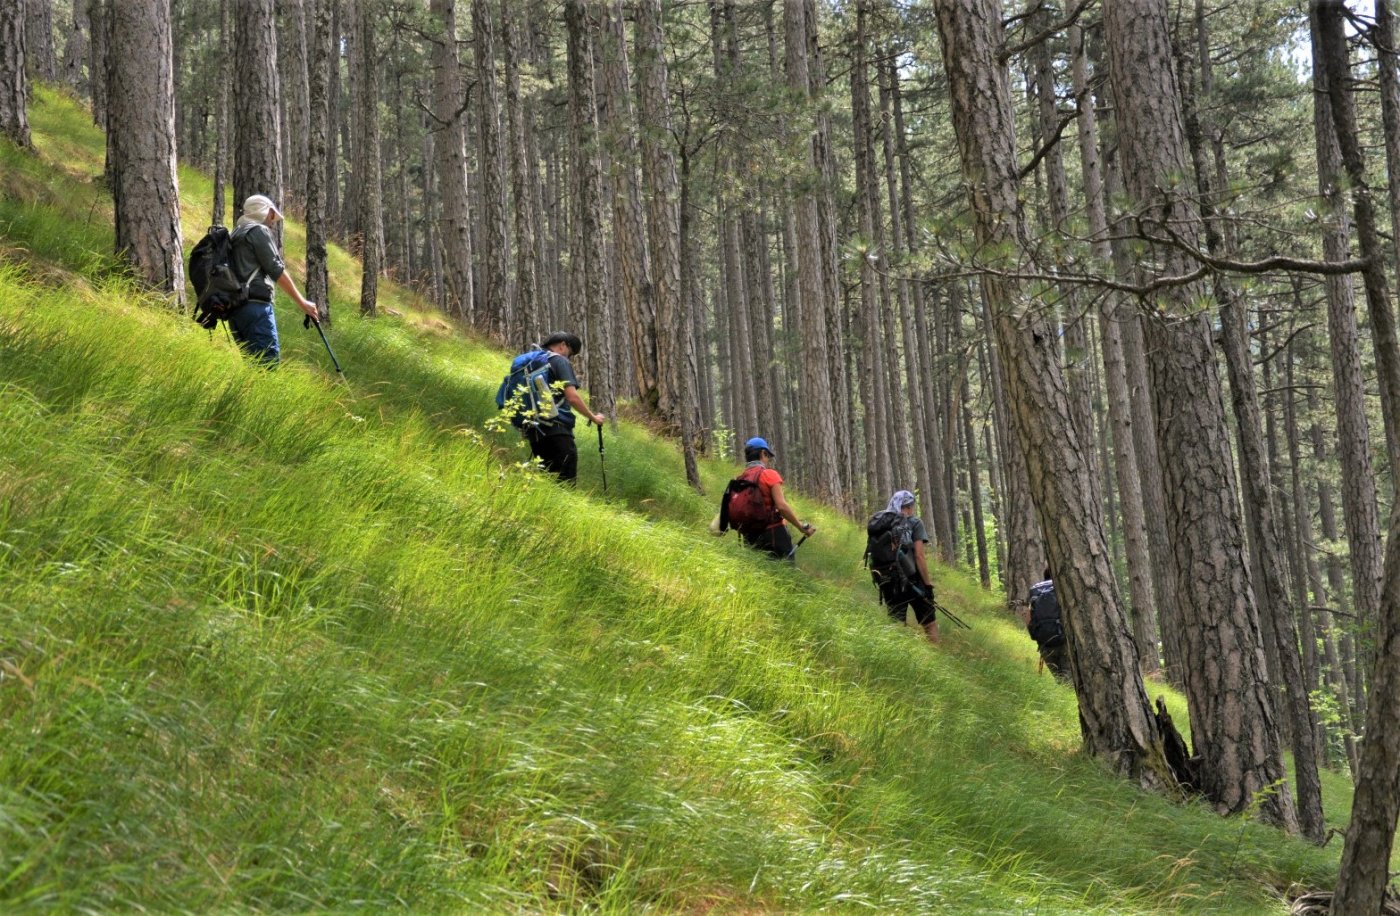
(541, 391)
(754, 505)
(894, 549)
(1042, 617)
(257, 263)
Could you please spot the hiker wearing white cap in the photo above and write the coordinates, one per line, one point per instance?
(754, 505)
(257, 262)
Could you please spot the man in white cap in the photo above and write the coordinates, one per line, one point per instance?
(257, 263)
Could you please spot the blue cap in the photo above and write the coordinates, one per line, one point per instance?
(759, 442)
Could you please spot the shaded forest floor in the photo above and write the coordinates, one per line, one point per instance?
(270, 641)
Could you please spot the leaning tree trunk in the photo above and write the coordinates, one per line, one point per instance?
(257, 157)
(321, 51)
(14, 81)
(1232, 717)
(1115, 719)
(145, 189)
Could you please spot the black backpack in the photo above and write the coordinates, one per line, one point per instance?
(884, 534)
(1045, 626)
(215, 282)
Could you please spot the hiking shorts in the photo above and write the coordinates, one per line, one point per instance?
(254, 326)
(775, 541)
(558, 453)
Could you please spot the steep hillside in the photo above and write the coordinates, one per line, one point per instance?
(269, 641)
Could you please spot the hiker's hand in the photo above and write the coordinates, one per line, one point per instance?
(599, 419)
(309, 308)
(808, 530)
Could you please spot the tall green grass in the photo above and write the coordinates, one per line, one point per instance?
(268, 641)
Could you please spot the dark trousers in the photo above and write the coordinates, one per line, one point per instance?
(1055, 654)
(897, 595)
(254, 327)
(775, 541)
(558, 453)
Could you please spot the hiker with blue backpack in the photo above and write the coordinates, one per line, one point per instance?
(1042, 619)
(754, 505)
(541, 394)
(895, 552)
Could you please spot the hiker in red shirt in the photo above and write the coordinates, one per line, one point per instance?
(755, 507)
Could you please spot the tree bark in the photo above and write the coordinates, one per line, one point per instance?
(1232, 718)
(368, 177)
(321, 56)
(98, 11)
(39, 53)
(492, 168)
(76, 51)
(1359, 506)
(222, 123)
(527, 293)
(14, 79)
(257, 156)
(821, 457)
(1115, 719)
(145, 189)
(673, 347)
(296, 101)
(456, 226)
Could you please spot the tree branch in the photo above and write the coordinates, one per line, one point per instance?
(1006, 53)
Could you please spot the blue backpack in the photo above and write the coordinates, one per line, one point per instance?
(526, 390)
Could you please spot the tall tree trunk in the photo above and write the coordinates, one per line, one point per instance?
(587, 233)
(368, 177)
(145, 189)
(822, 458)
(222, 123)
(492, 168)
(1120, 418)
(321, 57)
(456, 227)
(1266, 543)
(98, 11)
(257, 157)
(633, 257)
(296, 101)
(1359, 508)
(39, 54)
(522, 178)
(673, 348)
(75, 52)
(1115, 719)
(14, 80)
(1232, 719)
(1330, 54)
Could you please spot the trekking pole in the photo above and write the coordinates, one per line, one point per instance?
(793, 552)
(950, 615)
(307, 322)
(602, 466)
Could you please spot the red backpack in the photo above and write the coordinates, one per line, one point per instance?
(744, 507)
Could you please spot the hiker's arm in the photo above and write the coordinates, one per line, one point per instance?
(786, 512)
(576, 401)
(288, 286)
(921, 561)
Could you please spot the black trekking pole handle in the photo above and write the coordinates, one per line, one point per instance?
(307, 322)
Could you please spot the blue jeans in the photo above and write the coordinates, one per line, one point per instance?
(255, 328)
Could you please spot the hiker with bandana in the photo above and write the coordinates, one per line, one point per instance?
(895, 552)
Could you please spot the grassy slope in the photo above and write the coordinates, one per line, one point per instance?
(267, 641)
